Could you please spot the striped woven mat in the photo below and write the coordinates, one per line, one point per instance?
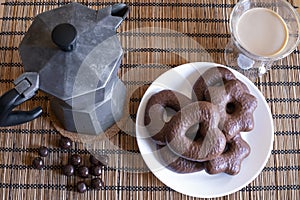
(202, 29)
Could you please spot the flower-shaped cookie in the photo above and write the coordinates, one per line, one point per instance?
(229, 161)
(236, 106)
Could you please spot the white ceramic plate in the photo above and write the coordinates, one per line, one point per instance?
(201, 184)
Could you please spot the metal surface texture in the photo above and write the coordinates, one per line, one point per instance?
(81, 75)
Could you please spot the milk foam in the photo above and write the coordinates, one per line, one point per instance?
(262, 32)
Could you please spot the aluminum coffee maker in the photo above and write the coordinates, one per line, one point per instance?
(72, 54)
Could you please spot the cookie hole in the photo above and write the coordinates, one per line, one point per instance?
(168, 114)
(193, 133)
(226, 149)
(219, 82)
(230, 108)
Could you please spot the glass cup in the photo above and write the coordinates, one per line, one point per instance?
(244, 58)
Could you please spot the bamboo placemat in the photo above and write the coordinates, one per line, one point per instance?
(147, 54)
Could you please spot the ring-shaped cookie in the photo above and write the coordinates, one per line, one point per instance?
(212, 141)
(178, 164)
(155, 109)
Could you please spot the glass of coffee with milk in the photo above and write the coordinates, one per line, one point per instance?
(262, 31)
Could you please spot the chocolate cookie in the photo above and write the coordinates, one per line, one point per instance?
(212, 77)
(178, 164)
(212, 141)
(229, 161)
(236, 106)
(154, 112)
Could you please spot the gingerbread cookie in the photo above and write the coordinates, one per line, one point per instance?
(212, 77)
(212, 142)
(154, 112)
(229, 161)
(178, 164)
(236, 106)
